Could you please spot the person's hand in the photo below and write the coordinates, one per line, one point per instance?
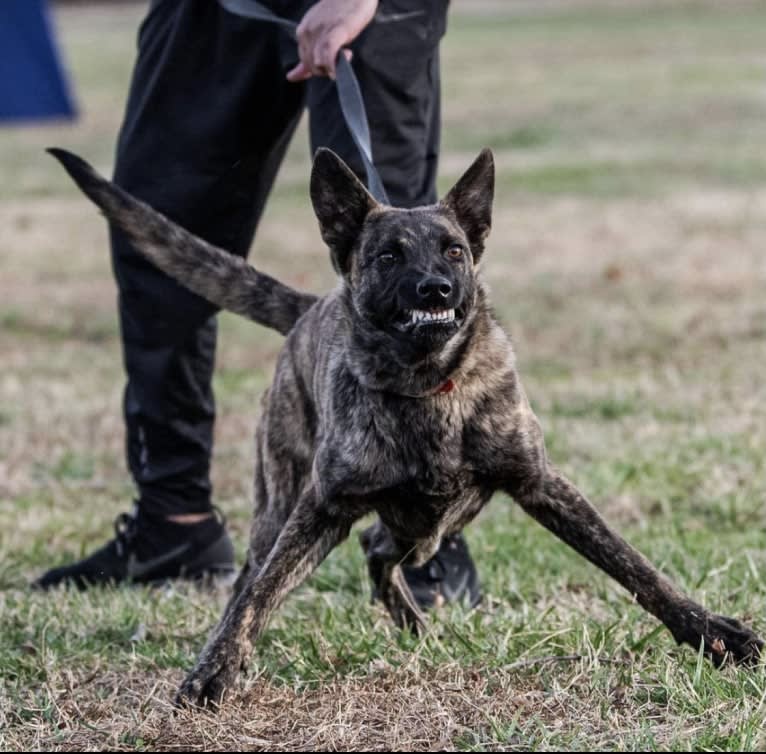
(324, 30)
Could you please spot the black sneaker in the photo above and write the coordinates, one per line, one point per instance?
(450, 576)
(149, 550)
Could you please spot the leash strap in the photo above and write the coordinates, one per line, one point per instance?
(347, 86)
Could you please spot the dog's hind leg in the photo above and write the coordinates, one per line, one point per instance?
(279, 480)
(384, 558)
(307, 538)
(557, 504)
(398, 599)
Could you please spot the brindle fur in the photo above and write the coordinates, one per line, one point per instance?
(354, 421)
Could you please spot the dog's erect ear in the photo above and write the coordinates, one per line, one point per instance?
(471, 201)
(341, 203)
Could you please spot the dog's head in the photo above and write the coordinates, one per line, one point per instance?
(410, 272)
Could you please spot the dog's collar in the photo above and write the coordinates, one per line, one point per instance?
(445, 387)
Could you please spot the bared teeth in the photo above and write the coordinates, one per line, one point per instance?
(418, 316)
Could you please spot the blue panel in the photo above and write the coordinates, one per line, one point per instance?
(32, 84)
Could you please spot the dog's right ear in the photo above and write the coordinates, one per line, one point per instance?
(341, 204)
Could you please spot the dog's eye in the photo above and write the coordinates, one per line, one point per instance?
(388, 257)
(455, 251)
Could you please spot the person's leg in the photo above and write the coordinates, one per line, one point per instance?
(208, 120)
(207, 123)
(396, 60)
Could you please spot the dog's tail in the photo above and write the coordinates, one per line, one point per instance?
(224, 279)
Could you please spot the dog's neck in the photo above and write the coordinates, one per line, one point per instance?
(379, 367)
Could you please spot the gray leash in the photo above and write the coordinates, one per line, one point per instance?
(349, 94)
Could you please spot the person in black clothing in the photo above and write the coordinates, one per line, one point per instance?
(213, 104)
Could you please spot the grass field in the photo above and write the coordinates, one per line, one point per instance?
(627, 260)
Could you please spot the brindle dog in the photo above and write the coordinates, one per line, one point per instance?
(396, 393)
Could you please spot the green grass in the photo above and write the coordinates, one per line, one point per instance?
(626, 260)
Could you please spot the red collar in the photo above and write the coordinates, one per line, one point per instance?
(447, 387)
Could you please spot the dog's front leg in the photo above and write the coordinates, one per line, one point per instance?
(307, 538)
(557, 504)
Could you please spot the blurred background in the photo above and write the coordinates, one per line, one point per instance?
(627, 260)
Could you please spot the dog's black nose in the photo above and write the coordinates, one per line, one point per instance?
(434, 288)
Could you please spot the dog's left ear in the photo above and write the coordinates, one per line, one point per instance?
(341, 204)
(470, 199)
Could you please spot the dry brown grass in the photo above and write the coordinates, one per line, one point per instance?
(389, 711)
(410, 708)
(444, 709)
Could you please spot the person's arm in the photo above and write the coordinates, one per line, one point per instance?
(324, 30)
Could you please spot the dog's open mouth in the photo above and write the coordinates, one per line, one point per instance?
(411, 319)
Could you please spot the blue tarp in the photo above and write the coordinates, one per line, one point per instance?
(32, 82)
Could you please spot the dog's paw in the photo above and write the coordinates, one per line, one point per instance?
(409, 620)
(206, 686)
(725, 640)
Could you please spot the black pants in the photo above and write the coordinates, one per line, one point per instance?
(208, 120)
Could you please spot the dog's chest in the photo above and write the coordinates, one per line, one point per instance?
(418, 446)
(408, 462)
